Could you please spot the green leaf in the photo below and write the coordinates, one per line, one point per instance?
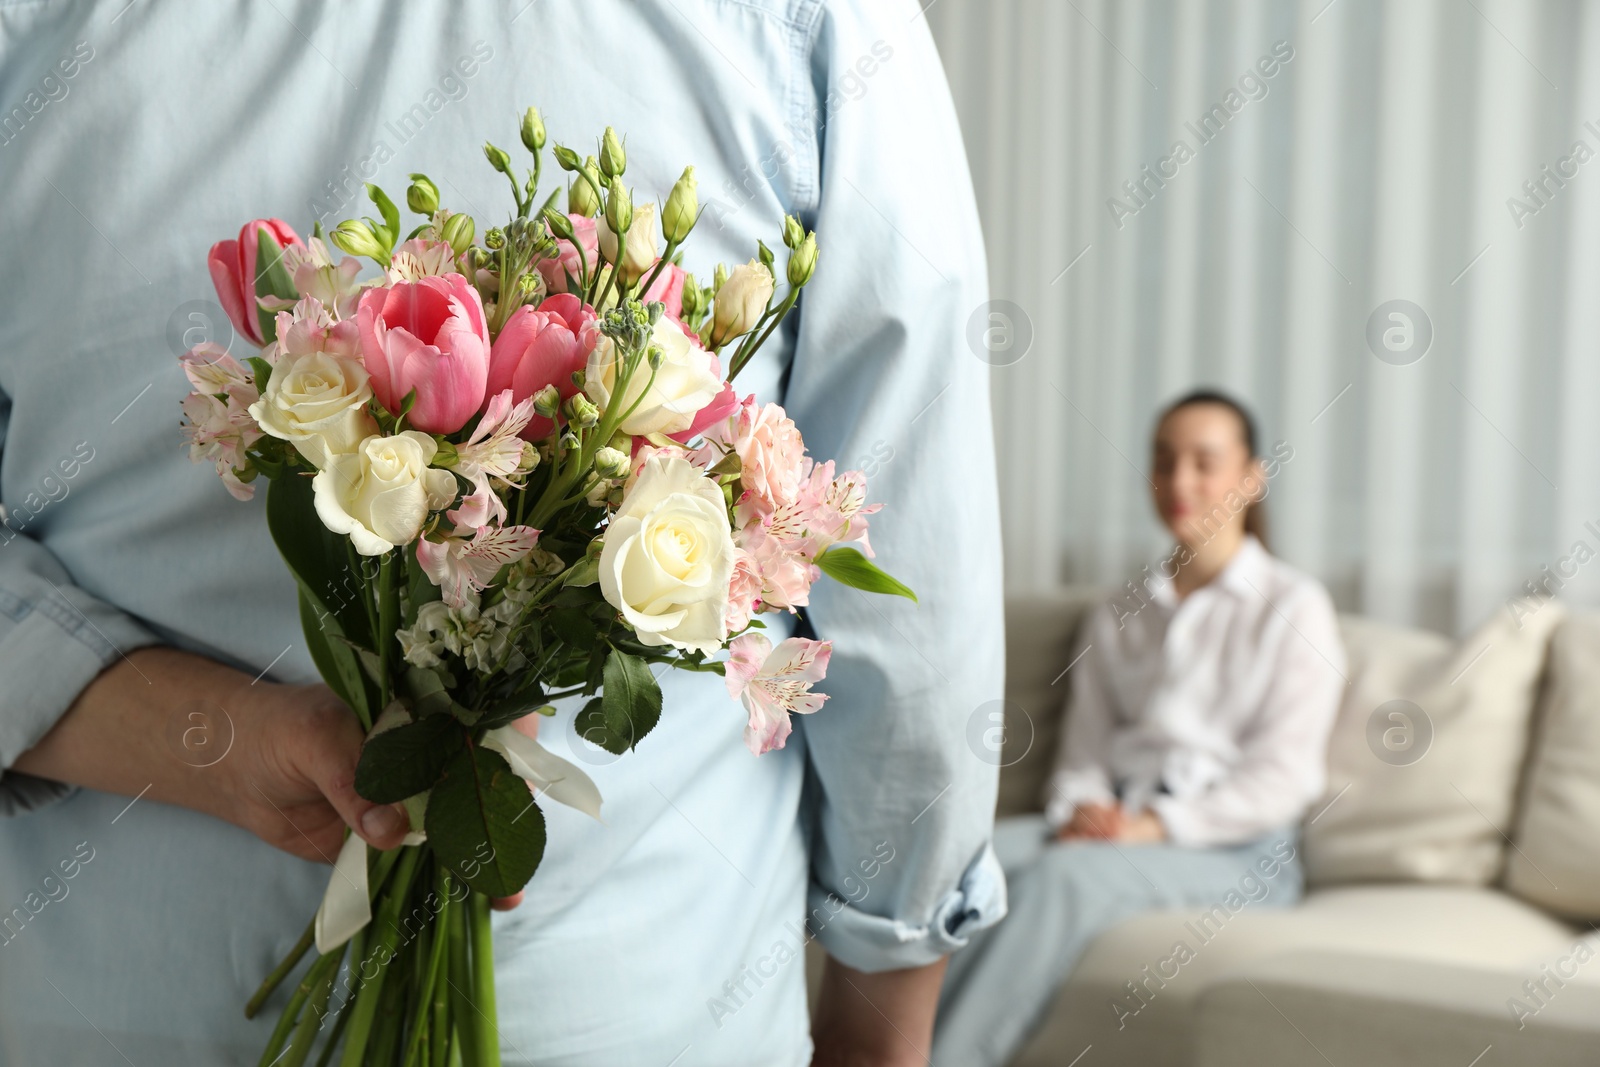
(408, 759)
(426, 691)
(849, 567)
(319, 560)
(332, 654)
(483, 824)
(272, 279)
(591, 726)
(631, 698)
(262, 372)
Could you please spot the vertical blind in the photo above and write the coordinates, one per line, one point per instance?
(1376, 222)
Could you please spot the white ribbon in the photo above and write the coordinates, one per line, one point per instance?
(347, 903)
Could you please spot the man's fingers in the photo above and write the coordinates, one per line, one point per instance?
(506, 903)
(333, 758)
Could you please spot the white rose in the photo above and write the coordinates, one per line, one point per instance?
(668, 556)
(381, 493)
(683, 384)
(318, 403)
(639, 252)
(741, 301)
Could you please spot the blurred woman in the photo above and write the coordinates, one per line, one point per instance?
(1196, 738)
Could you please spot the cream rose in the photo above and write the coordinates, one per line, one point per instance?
(381, 493)
(668, 556)
(741, 301)
(639, 251)
(683, 384)
(318, 403)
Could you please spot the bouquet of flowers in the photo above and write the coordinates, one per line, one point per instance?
(503, 472)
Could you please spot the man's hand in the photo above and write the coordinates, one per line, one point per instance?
(875, 1020)
(288, 772)
(1094, 822)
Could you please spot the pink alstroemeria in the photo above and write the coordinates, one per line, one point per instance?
(420, 258)
(774, 683)
(233, 272)
(463, 567)
(220, 428)
(316, 276)
(495, 448)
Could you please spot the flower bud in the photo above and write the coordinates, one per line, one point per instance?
(422, 196)
(581, 198)
(719, 277)
(619, 208)
(580, 410)
(495, 239)
(691, 297)
(611, 462)
(613, 158)
(529, 460)
(566, 158)
(532, 130)
(497, 157)
(677, 218)
(793, 232)
(547, 401)
(459, 230)
(559, 224)
(356, 238)
(803, 261)
(741, 301)
(639, 251)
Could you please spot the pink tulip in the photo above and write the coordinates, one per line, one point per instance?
(429, 335)
(233, 272)
(542, 346)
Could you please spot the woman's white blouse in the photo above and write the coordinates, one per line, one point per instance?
(1213, 711)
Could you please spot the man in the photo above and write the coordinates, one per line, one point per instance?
(150, 650)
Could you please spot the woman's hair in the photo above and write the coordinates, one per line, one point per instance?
(1255, 516)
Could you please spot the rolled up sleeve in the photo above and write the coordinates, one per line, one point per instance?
(901, 788)
(54, 639)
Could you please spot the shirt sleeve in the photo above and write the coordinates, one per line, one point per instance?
(1282, 765)
(54, 639)
(884, 380)
(1082, 772)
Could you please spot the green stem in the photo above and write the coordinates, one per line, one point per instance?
(385, 935)
(305, 1035)
(388, 623)
(334, 1035)
(486, 1017)
(661, 264)
(291, 1014)
(460, 979)
(436, 960)
(281, 972)
(747, 351)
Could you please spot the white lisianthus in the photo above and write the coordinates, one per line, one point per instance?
(318, 403)
(683, 384)
(381, 493)
(639, 251)
(741, 301)
(668, 555)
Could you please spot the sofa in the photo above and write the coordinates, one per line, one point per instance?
(1452, 868)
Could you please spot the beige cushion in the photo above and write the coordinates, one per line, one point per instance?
(1557, 859)
(1453, 926)
(1389, 815)
(1039, 646)
(1335, 1007)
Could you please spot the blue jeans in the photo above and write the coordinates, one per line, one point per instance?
(1065, 894)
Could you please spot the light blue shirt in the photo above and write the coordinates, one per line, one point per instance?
(673, 929)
